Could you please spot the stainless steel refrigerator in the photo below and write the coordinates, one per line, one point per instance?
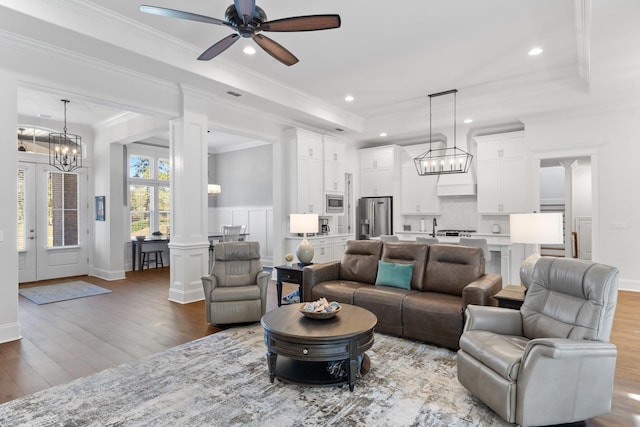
(375, 217)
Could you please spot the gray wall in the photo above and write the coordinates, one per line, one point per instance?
(245, 177)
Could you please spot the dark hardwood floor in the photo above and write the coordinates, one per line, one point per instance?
(72, 339)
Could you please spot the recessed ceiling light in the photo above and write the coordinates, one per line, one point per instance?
(468, 120)
(249, 50)
(349, 98)
(383, 134)
(535, 51)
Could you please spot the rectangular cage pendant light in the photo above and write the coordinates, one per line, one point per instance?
(443, 160)
(65, 149)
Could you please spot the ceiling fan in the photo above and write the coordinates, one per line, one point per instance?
(249, 20)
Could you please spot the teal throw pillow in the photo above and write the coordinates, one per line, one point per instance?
(396, 275)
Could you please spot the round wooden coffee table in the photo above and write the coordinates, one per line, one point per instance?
(307, 345)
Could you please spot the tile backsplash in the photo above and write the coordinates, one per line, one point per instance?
(460, 213)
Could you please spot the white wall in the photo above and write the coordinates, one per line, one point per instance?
(612, 136)
(244, 175)
(9, 325)
(259, 222)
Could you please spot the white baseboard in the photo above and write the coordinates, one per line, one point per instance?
(186, 297)
(107, 275)
(10, 332)
(629, 285)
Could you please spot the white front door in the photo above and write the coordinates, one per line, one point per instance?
(55, 223)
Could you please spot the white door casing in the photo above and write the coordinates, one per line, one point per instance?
(27, 255)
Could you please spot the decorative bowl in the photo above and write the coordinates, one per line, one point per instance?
(319, 314)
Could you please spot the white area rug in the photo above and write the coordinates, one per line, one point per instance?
(62, 292)
(222, 380)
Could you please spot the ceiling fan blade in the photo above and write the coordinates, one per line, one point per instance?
(219, 47)
(303, 23)
(172, 13)
(245, 9)
(275, 49)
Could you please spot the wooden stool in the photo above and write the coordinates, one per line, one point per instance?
(146, 258)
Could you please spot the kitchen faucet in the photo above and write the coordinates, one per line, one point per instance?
(433, 233)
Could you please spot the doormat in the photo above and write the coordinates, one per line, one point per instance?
(61, 292)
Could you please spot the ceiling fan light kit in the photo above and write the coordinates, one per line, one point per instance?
(447, 160)
(249, 20)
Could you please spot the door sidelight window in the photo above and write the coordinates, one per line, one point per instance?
(62, 209)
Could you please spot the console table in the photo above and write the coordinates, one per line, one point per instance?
(136, 250)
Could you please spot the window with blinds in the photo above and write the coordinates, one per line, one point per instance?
(22, 230)
(62, 212)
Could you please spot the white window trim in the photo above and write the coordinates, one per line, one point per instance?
(155, 154)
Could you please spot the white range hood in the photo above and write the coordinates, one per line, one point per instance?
(457, 184)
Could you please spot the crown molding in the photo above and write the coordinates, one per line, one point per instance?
(102, 24)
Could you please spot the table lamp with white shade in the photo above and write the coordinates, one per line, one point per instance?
(304, 223)
(535, 229)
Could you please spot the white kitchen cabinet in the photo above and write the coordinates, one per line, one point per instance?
(503, 181)
(305, 179)
(334, 165)
(339, 245)
(419, 194)
(334, 150)
(325, 248)
(376, 182)
(310, 195)
(378, 171)
(309, 145)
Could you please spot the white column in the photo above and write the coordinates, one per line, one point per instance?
(280, 200)
(188, 155)
(9, 325)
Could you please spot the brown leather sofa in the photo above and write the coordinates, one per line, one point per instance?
(445, 279)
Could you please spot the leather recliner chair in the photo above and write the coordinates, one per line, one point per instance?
(236, 289)
(550, 362)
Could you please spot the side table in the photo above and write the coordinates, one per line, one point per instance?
(511, 296)
(290, 274)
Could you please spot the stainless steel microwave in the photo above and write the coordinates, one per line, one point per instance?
(334, 204)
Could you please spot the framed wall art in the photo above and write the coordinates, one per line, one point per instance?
(100, 208)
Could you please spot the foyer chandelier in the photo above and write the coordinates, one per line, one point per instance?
(21, 146)
(443, 160)
(65, 150)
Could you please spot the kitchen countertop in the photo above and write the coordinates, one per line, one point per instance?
(322, 236)
(492, 239)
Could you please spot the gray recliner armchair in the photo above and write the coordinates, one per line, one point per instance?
(550, 362)
(236, 289)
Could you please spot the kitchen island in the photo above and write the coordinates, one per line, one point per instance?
(506, 256)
